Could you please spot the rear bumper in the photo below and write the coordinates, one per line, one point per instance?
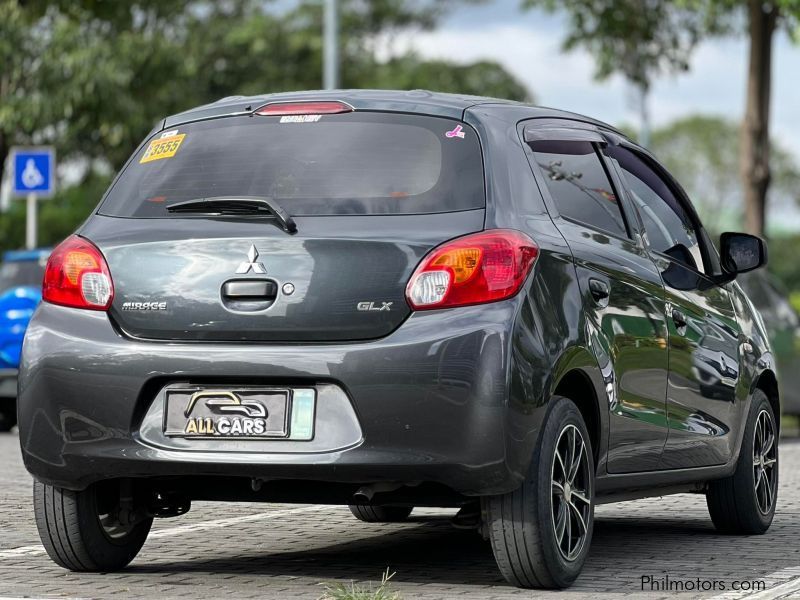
(429, 403)
(8, 383)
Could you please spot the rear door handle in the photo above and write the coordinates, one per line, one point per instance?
(599, 290)
(252, 289)
(678, 318)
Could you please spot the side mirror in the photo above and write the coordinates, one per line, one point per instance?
(741, 252)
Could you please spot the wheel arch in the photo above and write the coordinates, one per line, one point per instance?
(577, 377)
(767, 382)
(577, 386)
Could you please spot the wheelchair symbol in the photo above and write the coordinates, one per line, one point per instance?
(31, 176)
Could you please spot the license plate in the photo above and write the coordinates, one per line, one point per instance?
(241, 413)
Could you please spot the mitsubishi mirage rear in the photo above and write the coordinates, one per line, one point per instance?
(292, 301)
(387, 300)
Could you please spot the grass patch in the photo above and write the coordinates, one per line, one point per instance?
(351, 591)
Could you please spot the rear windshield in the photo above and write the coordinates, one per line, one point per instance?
(351, 163)
(28, 273)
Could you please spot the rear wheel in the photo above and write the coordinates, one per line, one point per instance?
(541, 532)
(380, 514)
(86, 530)
(744, 503)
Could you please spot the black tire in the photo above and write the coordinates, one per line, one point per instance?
(8, 415)
(522, 525)
(71, 531)
(381, 514)
(736, 504)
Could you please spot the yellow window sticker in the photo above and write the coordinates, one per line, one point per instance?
(165, 147)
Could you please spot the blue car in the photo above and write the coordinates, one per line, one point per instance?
(20, 293)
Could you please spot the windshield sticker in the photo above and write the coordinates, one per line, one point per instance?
(300, 118)
(163, 147)
(457, 131)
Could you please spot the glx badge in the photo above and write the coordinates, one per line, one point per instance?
(373, 306)
(250, 263)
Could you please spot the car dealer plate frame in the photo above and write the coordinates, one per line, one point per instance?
(239, 412)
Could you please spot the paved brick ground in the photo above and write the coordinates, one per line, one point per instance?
(281, 551)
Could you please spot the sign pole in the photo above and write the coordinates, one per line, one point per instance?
(330, 59)
(31, 221)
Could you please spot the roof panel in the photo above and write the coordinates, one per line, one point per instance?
(414, 101)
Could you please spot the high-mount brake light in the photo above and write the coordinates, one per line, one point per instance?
(77, 275)
(475, 269)
(278, 109)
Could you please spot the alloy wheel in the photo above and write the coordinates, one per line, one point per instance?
(571, 482)
(765, 461)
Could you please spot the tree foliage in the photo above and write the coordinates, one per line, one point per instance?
(86, 76)
(408, 72)
(92, 77)
(642, 39)
(702, 151)
(639, 39)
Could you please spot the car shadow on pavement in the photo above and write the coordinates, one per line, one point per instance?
(430, 550)
(426, 550)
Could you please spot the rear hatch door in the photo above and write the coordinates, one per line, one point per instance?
(370, 193)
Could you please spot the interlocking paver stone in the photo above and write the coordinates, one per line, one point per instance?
(290, 555)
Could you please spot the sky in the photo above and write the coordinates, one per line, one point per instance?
(528, 44)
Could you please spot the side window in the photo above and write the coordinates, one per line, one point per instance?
(579, 185)
(669, 227)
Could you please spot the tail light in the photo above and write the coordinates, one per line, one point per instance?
(77, 275)
(475, 269)
(277, 109)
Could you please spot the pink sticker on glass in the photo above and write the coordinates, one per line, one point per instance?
(457, 131)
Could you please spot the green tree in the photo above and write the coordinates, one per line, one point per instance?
(638, 39)
(641, 38)
(763, 19)
(86, 76)
(408, 72)
(92, 77)
(259, 51)
(702, 152)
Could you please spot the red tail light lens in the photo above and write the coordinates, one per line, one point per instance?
(303, 108)
(475, 269)
(77, 275)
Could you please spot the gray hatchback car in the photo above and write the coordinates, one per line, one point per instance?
(388, 300)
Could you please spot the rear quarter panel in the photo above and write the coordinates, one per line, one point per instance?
(761, 358)
(550, 333)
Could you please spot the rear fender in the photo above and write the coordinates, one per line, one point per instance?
(550, 342)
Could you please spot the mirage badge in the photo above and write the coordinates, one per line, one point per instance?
(144, 306)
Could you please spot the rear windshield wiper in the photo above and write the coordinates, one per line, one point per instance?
(237, 205)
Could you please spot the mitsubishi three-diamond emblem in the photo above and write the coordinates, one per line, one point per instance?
(250, 263)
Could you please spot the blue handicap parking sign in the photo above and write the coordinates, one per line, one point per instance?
(34, 171)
